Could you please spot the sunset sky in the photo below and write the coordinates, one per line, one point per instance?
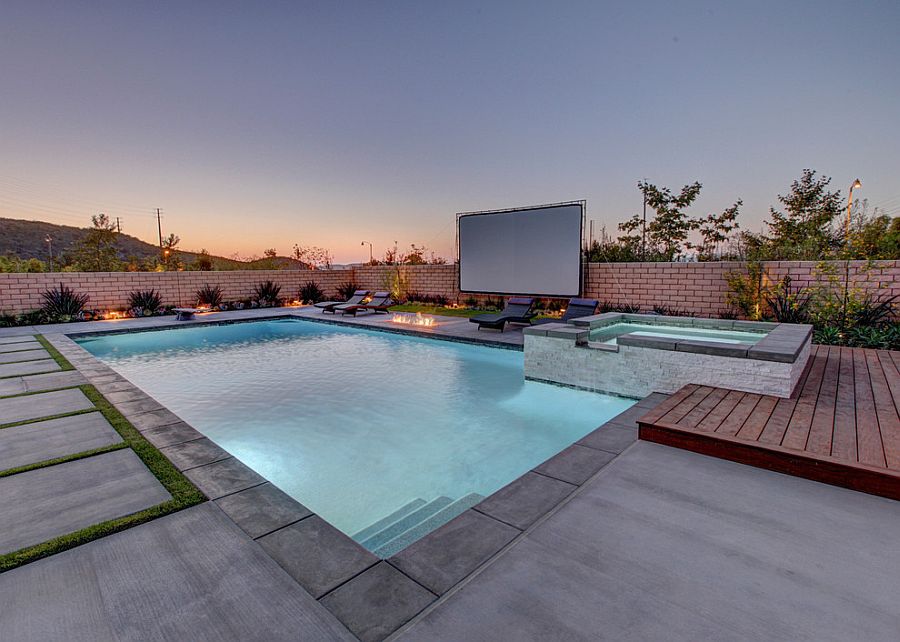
(256, 125)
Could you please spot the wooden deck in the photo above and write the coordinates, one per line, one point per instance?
(841, 426)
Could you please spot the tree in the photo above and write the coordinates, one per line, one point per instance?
(714, 230)
(318, 258)
(203, 262)
(803, 231)
(872, 236)
(170, 258)
(96, 251)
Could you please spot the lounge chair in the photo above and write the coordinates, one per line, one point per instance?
(356, 299)
(185, 314)
(576, 309)
(518, 310)
(380, 302)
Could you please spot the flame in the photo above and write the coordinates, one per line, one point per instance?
(413, 320)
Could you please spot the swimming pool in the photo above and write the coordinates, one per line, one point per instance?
(385, 436)
(610, 333)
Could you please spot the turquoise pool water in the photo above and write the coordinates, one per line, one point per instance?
(385, 436)
(609, 333)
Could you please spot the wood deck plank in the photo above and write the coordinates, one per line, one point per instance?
(721, 411)
(754, 424)
(821, 432)
(892, 374)
(668, 404)
(702, 409)
(886, 412)
(843, 444)
(677, 413)
(797, 431)
(735, 420)
(868, 435)
(776, 424)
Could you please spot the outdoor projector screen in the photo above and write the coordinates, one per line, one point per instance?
(530, 250)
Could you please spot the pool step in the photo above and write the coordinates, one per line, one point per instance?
(427, 525)
(405, 523)
(384, 522)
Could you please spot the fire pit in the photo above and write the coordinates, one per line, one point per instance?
(417, 319)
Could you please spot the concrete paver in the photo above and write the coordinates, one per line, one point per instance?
(44, 404)
(47, 502)
(45, 440)
(192, 575)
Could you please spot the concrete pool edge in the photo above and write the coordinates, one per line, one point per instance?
(420, 573)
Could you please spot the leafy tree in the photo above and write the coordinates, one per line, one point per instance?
(170, 258)
(714, 230)
(872, 236)
(803, 231)
(318, 258)
(203, 262)
(96, 251)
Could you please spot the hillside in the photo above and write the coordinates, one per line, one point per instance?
(27, 239)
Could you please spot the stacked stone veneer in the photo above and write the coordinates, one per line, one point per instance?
(563, 354)
(697, 288)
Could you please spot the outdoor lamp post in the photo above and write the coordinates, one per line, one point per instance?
(371, 257)
(855, 185)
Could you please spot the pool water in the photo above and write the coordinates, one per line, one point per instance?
(609, 333)
(385, 436)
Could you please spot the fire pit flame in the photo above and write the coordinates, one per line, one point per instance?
(407, 319)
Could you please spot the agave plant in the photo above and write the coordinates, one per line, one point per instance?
(346, 289)
(146, 301)
(788, 305)
(873, 311)
(311, 292)
(62, 303)
(266, 293)
(209, 295)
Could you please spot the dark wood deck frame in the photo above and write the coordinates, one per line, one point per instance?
(840, 427)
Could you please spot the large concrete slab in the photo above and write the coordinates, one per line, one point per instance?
(189, 576)
(28, 367)
(45, 440)
(53, 380)
(16, 347)
(24, 355)
(20, 338)
(668, 544)
(47, 502)
(45, 404)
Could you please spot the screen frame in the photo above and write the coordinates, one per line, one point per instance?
(580, 203)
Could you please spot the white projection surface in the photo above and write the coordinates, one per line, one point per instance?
(533, 251)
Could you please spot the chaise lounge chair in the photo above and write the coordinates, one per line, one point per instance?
(356, 299)
(518, 310)
(380, 302)
(576, 309)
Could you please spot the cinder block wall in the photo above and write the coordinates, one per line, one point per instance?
(698, 288)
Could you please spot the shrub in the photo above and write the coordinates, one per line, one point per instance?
(746, 290)
(666, 311)
(829, 336)
(869, 337)
(62, 304)
(788, 305)
(471, 302)
(727, 314)
(347, 288)
(871, 311)
(266, 293)
(7, 320)
(310, 292)
(209, 295)
(147, 301)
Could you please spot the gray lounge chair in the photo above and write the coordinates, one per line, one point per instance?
(518, 310)
(576, 309)
(356, 299)
(380, 302)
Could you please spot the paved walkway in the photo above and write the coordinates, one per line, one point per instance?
(666, 544)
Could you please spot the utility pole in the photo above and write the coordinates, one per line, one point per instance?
(49, 240)
(118, 225)
(159, 227)
(644, 226)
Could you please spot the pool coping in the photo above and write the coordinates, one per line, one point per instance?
(335, 569)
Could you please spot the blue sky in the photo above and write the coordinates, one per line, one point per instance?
(262, 125)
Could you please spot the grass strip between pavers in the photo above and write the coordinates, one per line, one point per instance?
(54, 353)
(184, 493)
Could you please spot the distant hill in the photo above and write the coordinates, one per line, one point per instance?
(27, 240)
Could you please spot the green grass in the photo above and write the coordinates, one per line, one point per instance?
(184, 493)
(54, 353)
